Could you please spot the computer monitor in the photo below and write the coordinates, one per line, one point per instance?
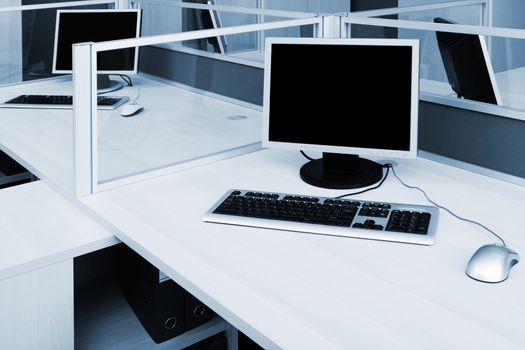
(197, 19)
(77, 26)
(467, 65)
(343, 97)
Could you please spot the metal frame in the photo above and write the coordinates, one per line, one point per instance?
(260, 12)
(116, 3)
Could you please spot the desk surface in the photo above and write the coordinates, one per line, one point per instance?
(38, 227)
(176, 126)
(301, 291)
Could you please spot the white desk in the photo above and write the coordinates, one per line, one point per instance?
(299, 291)
(40, 234)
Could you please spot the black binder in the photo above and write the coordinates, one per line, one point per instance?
(164, 308)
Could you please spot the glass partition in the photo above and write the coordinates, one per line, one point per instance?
(10, 48)
(442, 73)
(216, 113)
(27, 38)
(163, 17)
(41, 139)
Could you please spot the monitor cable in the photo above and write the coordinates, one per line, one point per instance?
(126, 79)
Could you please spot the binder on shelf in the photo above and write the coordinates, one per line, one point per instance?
(164, 308)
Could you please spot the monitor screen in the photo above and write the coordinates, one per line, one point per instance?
(346, 96)
(77, 26)
(467, 65)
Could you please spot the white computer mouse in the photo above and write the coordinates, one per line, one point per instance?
(130, 109)
(491, 263)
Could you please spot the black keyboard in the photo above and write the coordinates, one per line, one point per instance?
(397, 222)
(61, 101)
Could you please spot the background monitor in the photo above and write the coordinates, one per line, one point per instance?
(197, 19)
(467, 65)
(77, 26)
(345, 98)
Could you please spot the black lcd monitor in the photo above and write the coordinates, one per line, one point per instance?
(77, 26)
(346, 98)
(467, 65)
(197, 19)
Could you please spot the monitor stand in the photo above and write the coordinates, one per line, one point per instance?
(104, 84)
(341, 171)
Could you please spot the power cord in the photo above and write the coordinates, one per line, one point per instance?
(306, 156)
(126, 79)
(387, 166)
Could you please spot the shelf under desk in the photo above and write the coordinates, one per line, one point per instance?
(301, 291)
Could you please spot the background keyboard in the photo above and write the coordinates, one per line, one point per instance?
(394, 222)
(61, 101)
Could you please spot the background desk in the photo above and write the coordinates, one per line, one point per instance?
(176, 126)
(40, 235)
(300, 291)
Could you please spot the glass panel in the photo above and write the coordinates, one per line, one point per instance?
(27, 41)
(43, 138)
(508, 60)
(176, 125)
(504, 71)
(10, 48)
(196, 107)
(312, 6)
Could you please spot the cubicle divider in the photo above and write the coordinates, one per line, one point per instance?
(179, 127)
(484, 137)
(417, 22)
(93, 158)
(40, 140)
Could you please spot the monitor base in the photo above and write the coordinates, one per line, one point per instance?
(341, 171)
(105, 85)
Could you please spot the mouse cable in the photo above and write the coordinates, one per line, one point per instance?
(387, 166)
(448, 210)
(136, 97)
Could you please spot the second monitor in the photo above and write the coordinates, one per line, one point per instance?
(343, 97)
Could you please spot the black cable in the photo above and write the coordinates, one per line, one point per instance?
(126, 79)
(387, 166)
(448, 210)
(306, 156)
